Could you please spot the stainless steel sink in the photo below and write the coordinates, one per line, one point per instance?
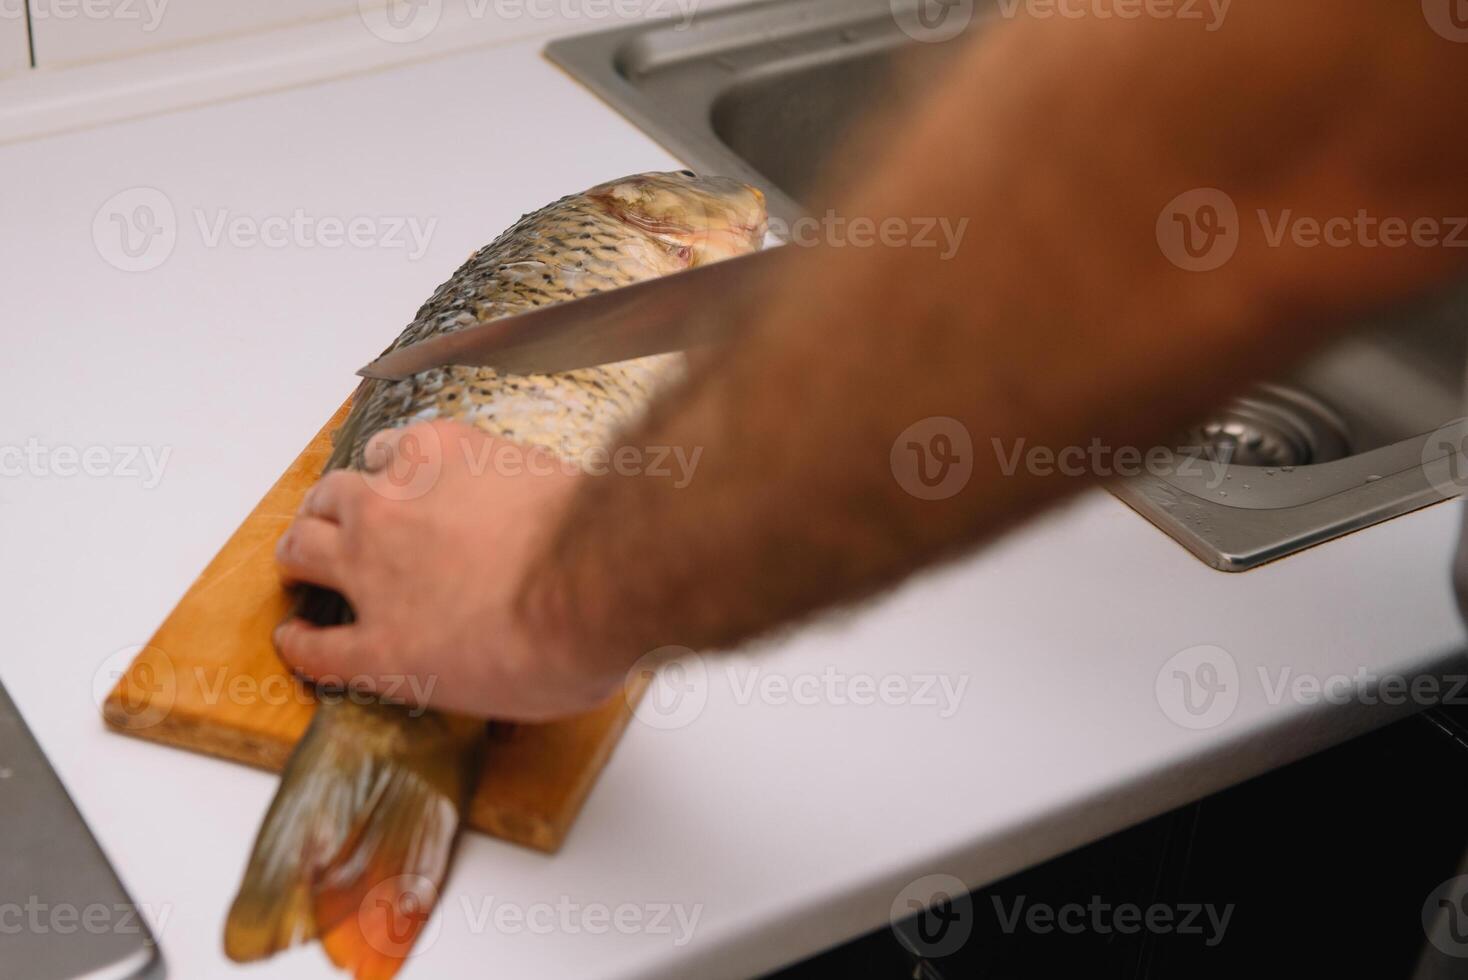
(761, 91)
(764, 91)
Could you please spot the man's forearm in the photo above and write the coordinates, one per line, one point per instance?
(1060, 319)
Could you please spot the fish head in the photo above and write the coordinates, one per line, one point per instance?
(699, 220)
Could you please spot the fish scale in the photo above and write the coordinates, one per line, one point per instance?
(540, 260)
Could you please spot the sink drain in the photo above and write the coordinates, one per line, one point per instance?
(1271, 426)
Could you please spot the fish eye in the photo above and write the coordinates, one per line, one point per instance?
(687, 173)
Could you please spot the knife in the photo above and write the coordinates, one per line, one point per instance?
(670, 313)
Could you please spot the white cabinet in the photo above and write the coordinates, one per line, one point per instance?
(75, 31)
(15, 50)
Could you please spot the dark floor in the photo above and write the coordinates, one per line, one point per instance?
(1318, 869)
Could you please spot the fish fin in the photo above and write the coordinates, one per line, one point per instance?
(273, 909)
(367, 811)
(374, 900)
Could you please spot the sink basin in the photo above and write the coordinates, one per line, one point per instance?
(1364, 432)
(761, 92)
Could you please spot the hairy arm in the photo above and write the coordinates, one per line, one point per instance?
(1059, 319)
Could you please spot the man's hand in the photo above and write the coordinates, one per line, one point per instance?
(430, 548)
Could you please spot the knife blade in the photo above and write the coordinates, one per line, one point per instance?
(657, 316)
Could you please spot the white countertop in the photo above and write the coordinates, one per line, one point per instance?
(784, 827)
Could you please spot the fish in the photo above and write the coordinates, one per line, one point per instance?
(359, 837)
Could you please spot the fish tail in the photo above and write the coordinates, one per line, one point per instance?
(374, 899)
(357, 841)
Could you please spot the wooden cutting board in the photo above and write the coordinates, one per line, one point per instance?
(209, 680)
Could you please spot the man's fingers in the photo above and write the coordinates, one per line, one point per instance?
(311, 551)
(328, 653)
(335, 497)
